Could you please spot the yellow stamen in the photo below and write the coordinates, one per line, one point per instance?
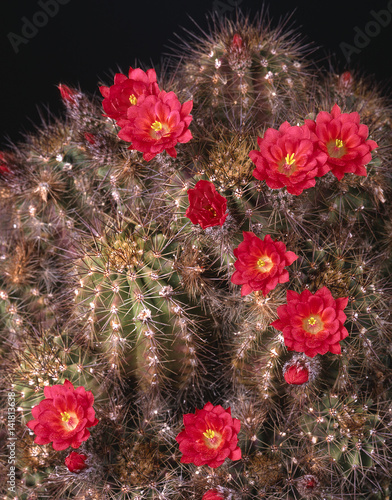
(339, 143)
(209, 433)
(65, 416)
(260, 263)
(132, 99)
(311, 321)
(156, 126)
(289, 159)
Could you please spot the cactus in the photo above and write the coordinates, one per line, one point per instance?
(106, 283)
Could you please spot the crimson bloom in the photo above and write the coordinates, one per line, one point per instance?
(312, 323)
(157, 123)
(261, 263)
(75, 461)
(206, 206)
(63, 416)
(296, 373)
(212, 495)
(289, 157)
(126, 91)
(343, 139)
(209, 436)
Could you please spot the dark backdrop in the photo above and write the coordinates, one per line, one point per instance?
(86, 40)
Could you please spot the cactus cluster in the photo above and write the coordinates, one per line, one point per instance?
(107, 283)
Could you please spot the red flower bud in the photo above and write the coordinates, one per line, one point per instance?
(90, 138)
(75, 462)
(212, 495)
(346, 80)
(68, 95)
(307, 485)
(237, 41)
(3, 165)
(296, 374)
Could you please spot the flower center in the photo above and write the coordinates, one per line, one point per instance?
(264, 264)
(211, 210)
(336, 148)
(65, 416)
(70, 420)
(287, 165)
(313, 324)
(132, 99)
(157, 126)
(289, 159)
(209, 433)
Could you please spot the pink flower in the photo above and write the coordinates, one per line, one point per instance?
(343, 139)
(206, 206)
(260, 263)
(288, 157)
(75, 462)
(312, 323)
(157, 123)
(125, 92)
(209, 437)
(63, 416)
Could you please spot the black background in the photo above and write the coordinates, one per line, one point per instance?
(88, 40)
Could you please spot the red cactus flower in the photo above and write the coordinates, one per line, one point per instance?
(343, 139)
(288, 157)
(75, 462)
(69, 96)
(3, 165)
(212, 495)
(261, 263)
(206, 206)
(157, 123)
(209, 437)
(63, 416)
(295, 373)
(126, 91)
(312, 323)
